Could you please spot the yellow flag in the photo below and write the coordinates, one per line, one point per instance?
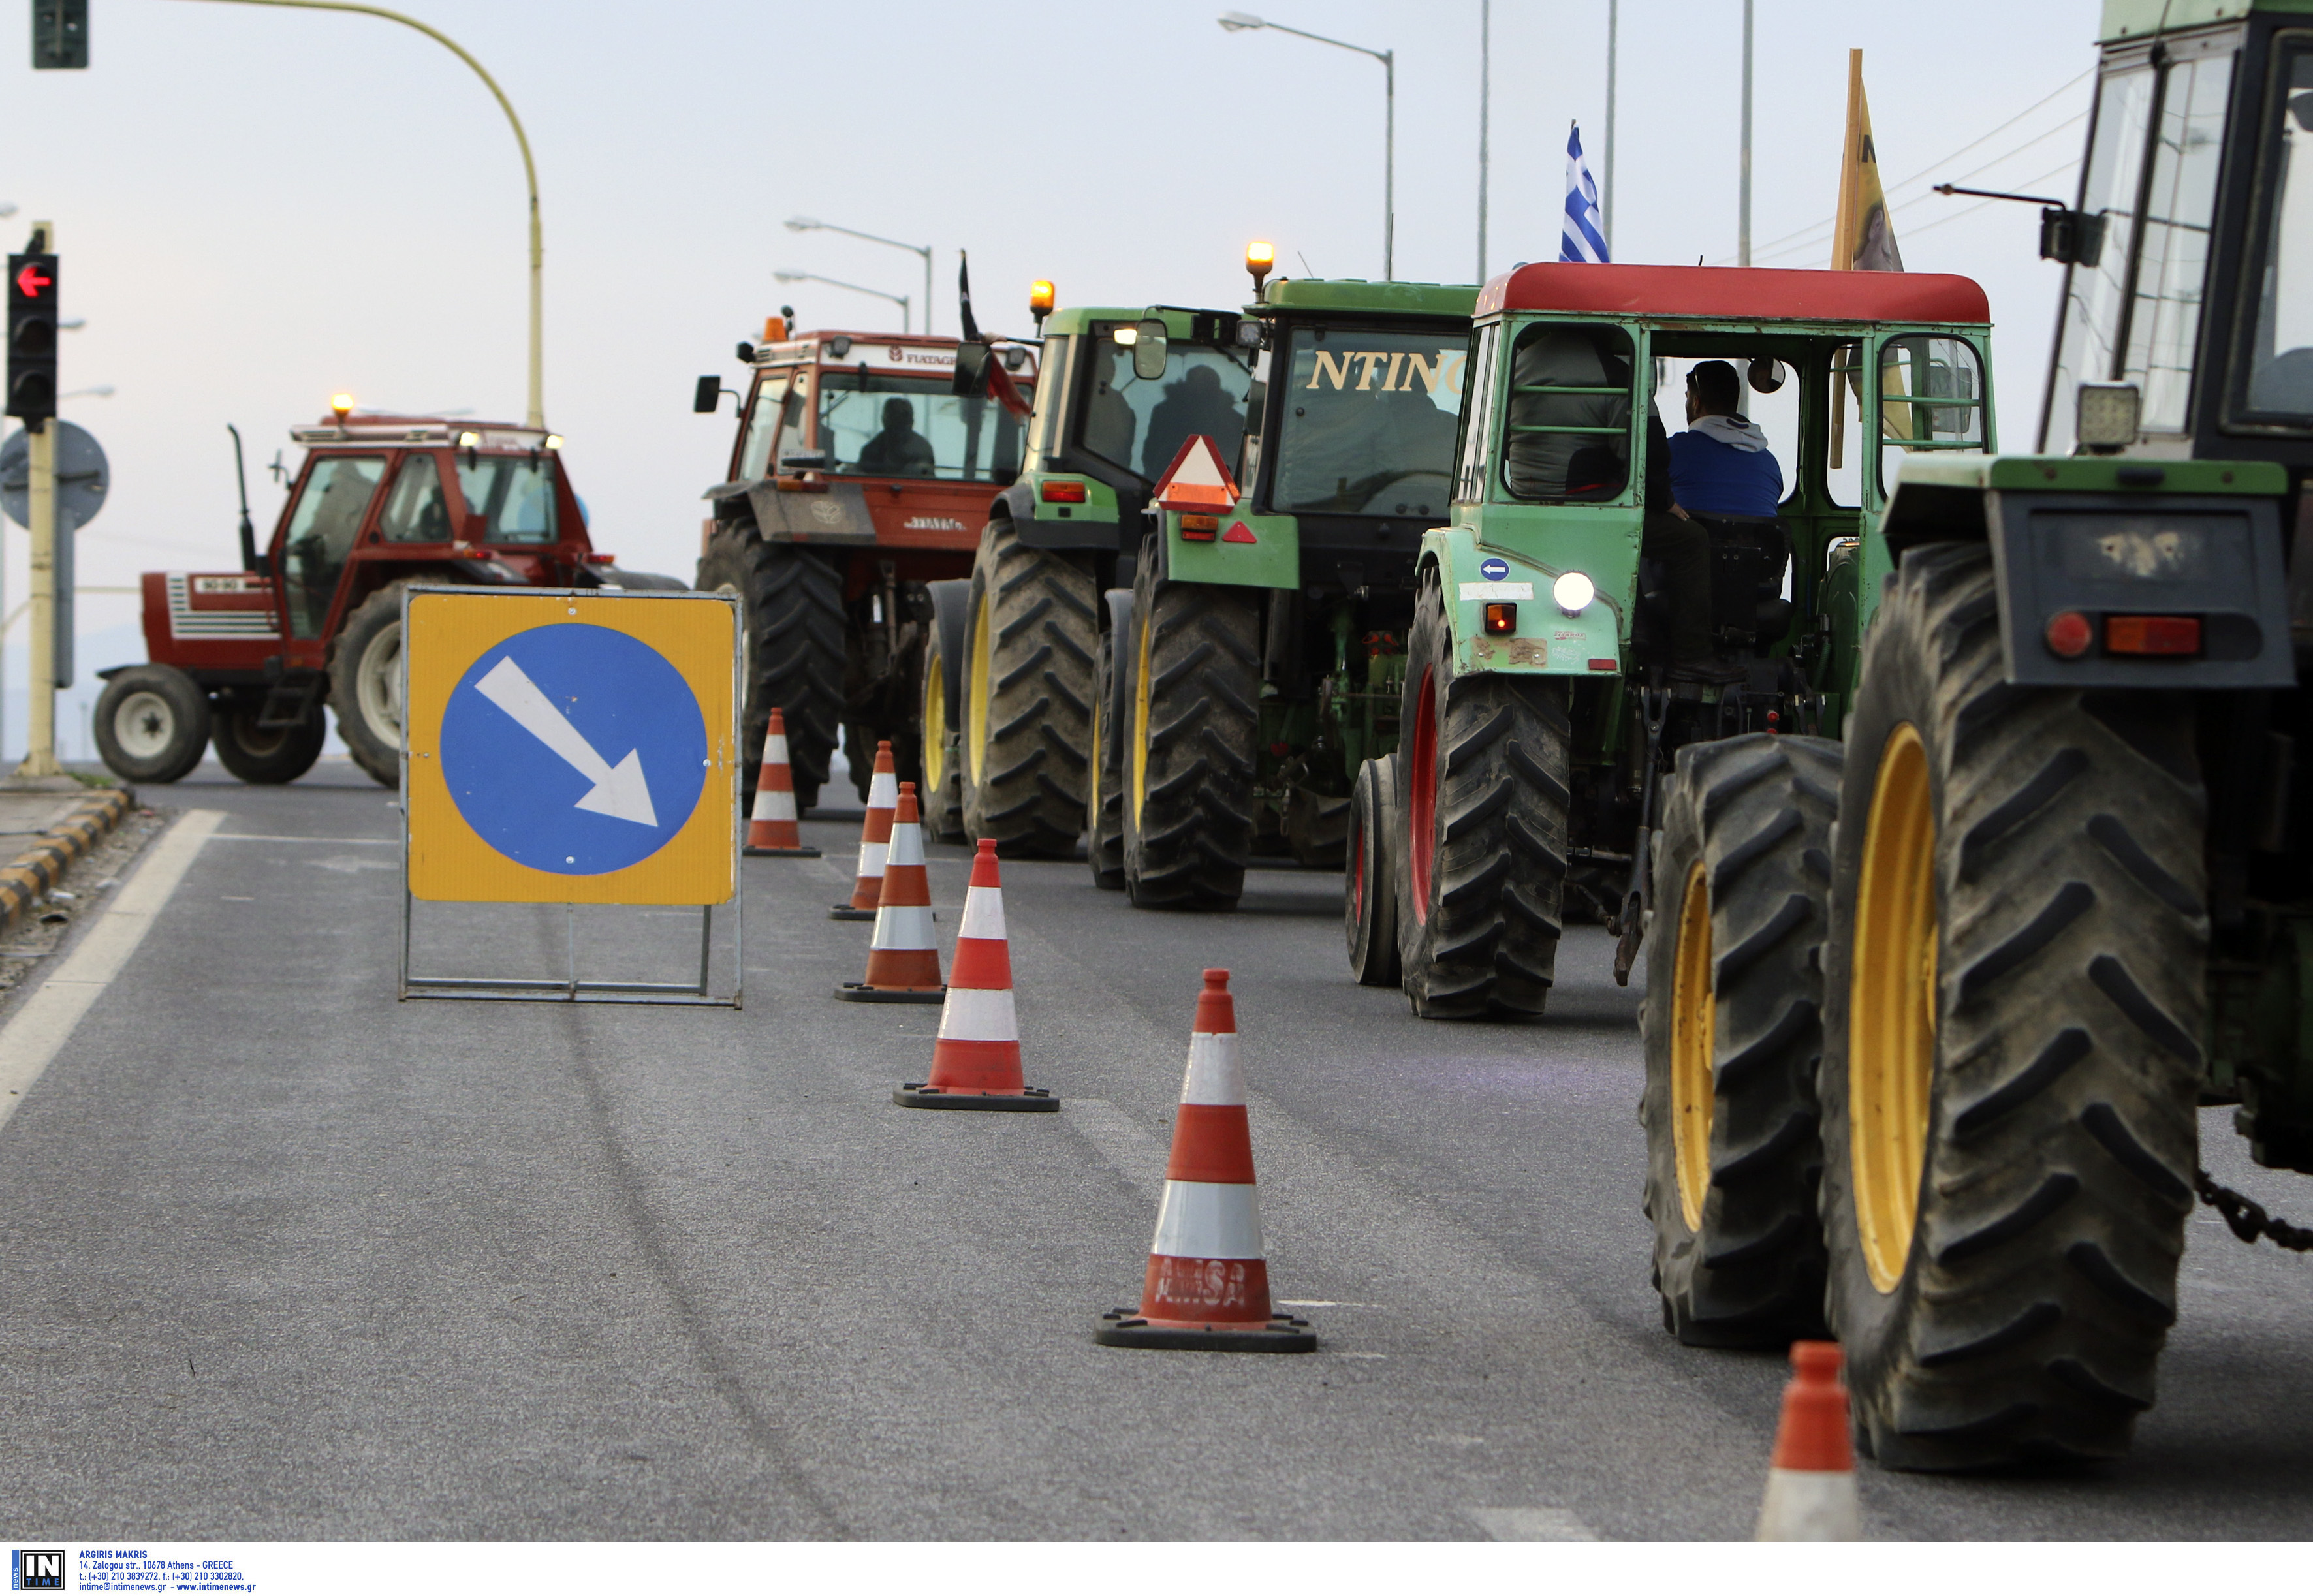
(1863, 239)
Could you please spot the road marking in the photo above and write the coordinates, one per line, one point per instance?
(359, 842)
(1130, 1151)
(1530, 1523)
(618, 792)
(47, 1021)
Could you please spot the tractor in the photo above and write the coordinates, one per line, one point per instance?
(859, 475)
(247, 659)
(1011, 717)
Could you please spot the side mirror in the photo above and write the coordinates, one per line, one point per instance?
(1149, 352)
(707, 395)
(2072, 237)
(970, 381)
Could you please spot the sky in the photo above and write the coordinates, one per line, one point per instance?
(258, 207)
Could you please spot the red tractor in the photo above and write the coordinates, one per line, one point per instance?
(859, 478)
(247, 659)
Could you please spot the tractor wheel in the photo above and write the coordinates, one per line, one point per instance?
(1112, 713)
(152, 723)
(268, 756)
(1318, 829)
(1194, 655)
(2014, 990)
(1733, 1022)
(366, 684)
(1028, 696)
(1370, 896)
(1482, 769)
(794, 604)
(936, 727)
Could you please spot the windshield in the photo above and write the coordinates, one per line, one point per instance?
(871, 425)
(513, 493)
(1141, 426)
(2281, 351)
(1366, 421)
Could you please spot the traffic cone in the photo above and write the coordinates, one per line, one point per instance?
(902, 960)
(771, 832)
(874, 840)
(976, 1061)
(1208, 1285)
(1811, 1484)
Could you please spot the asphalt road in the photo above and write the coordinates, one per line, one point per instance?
(283, 1259)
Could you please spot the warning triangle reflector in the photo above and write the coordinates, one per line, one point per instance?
(1197, 479)
(1239, 533)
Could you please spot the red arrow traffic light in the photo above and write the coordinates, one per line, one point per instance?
(29, 282)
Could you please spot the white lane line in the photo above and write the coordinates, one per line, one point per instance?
(365, 842)
(1529, 1524)
(46, 1022)
(1130, 1151)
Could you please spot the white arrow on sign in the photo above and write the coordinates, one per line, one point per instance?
(619, 792)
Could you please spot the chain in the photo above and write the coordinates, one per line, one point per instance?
(2247, 1219)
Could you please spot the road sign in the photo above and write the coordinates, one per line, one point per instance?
(571, 746)
(84, 476)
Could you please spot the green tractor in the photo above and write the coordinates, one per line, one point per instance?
(1009, 704)
(1255, 664)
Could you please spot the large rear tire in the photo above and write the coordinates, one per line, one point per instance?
(152, 723)
(268, 756)
(366, 684)
(1733, 1022)
(1028, 690)
(2015, 991)
(794, 604)
(1194, 655)
(1369, 894)
(1482, 765)
(1112, 713)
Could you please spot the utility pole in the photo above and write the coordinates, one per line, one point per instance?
(1742, 222)
(1485, 98)
(1607, 200)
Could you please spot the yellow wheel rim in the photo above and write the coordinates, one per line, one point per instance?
(1693, 1017)
(1891, 1027)
(1140, 722)
(975, 712)
(935, 722)
(1092, 799)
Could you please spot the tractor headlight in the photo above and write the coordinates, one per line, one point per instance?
(1573, 592)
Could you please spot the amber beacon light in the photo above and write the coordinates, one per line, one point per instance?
(1260, 257)
(1040, 302)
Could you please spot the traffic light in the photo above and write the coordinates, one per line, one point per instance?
(33, 336)
(59, 34)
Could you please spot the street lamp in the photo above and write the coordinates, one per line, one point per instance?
(1238, 21)
(899, 300)
(812, 224)
(104, 391)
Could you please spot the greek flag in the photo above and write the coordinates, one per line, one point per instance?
(1582, 238)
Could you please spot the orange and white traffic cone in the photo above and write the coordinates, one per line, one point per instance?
(1208, 1282)
(874, 840)
(902, 960)
(771, 831)
(1811, 1484)
(976, 1061)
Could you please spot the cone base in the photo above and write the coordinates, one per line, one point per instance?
(755, 853)
(1028, 1100)
(1121, 1326)
(860, 992)
(844, 911)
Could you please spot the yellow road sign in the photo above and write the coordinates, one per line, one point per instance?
(571, 746)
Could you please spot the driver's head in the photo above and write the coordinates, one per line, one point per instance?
(1712, 389)
(1201, 380)
(899, 415)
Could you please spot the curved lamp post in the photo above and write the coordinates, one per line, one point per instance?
(899, 300)
(537, 417)
(813, 224)
(1238, 21)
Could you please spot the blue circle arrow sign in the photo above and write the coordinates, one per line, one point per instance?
(574, 748)
(1494, 569)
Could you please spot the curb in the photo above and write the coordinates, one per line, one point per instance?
(31, 874)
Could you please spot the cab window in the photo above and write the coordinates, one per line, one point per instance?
(331, 508)
(1140, 426)
(775, 424)
(512, 494)
(1568, 436)
(2278, 313)
(1366, 421)
(1477, 420)
(1912, 372)
(414, 511)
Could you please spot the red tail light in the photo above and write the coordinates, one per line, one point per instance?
(2152, 633)
(1061, 492)
(1501, 619)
